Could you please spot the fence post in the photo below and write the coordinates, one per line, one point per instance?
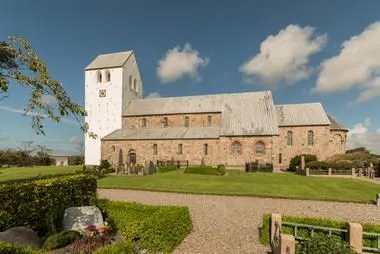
(287, 244)
(355, 236)
(329, 171)
(276, 218)
(307, 172)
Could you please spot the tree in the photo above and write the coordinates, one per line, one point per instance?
(20, 63)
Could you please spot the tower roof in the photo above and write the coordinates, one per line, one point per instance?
(109, 60)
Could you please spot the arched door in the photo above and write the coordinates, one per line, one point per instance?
(132, 157)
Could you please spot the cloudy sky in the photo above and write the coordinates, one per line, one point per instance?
(303, 51)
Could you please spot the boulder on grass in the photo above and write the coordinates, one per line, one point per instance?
(78, 218)
(21, 236)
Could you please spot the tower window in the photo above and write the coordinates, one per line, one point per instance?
(186, 124)
(130, 82)
(99, 77)
(289, 138)
(108, 76)
(205, 149)
(209, 120)
(155, 149)
(144, 122)
(310, 138)
(165, 122)
(180, 149)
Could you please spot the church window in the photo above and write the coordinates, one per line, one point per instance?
(165, 122)
(236, 148)
(155, 149)
(144, 122)
(289, 138)
(280, 158)
(209, 120)
(108, 76)
(130, 82)
(205, 149)
(113, 148)
(180, 149)
(260, 147)
(99, 77)
(186, 121)
(310, 138)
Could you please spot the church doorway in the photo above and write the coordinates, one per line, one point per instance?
(132, 157)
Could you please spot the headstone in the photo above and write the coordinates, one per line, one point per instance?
(78, 218)
(21, 236)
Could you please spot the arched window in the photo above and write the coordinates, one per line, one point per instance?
(205, 149)
(155, 149)
(130, 82)
(289, 138)
(209, 120)
(260, 147)
(144, 122)
(165, 122)
(180, 149)
(310, 138)
(236, 148)
(108, 76)
(99, 77)
(135, 85)
(186, 121)
(113, 148)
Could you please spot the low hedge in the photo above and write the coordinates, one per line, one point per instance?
(8, 248)
(328, 245)
(160, 228)
(40, 204)
(296, 160)
(327, 165)
(165, 169)
(265, 230)
(204, 170)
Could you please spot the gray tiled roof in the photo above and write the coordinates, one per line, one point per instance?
(164, 133)
(109, 60)
(250, 113)
(335, 125)
(301, 114)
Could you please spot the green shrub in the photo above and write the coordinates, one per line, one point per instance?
(202, 170)
(317, 165)
(296, 161)
(104, 164)
(221, 169)
(40, 204)
(165, 169)
(61, 239)
(116, 248)
(319, 245)
(7, 248)
(160, 228)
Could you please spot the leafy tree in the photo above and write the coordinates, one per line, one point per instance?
(20, 63)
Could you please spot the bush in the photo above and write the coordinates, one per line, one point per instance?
(165, 169)
(160, 228)
(317, 165)
(61, 239)
(296, 161)
(323, 245)
(7, 248)
(40, 204)
(341, 165)
(202, 170)
(104, 164)
(116, 248)
(221, 170)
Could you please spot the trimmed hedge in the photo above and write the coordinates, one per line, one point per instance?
(202, 170)
(265, 230)
(160, 228)
(40, 204)
(328, 245)
(326, 165)
(15, 249)
(296, 161)
(165, 169)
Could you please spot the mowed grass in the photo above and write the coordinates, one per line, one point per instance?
(17, 173)
(286, 185)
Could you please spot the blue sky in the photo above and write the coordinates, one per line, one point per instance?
(224, 47)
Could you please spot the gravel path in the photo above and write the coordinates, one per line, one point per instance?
(226, 224)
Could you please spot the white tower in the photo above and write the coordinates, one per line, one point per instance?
(112, 81)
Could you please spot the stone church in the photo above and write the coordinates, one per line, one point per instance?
(229, 129)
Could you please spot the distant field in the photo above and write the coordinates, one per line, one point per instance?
(15, 173)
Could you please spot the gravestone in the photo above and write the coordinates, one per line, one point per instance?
(21, 236)
(78, 218)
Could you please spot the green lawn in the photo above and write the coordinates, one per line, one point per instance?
(15, 173)
(285, 185)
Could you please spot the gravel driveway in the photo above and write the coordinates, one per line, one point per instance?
(226, 224)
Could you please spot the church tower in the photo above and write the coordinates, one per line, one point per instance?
(112, 81)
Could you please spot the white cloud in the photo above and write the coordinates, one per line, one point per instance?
(368, 122)
(75, 140)
(153, 95)
(356, 66)
(284, 57)
(361, 136)
(178, 63)
(49, 99)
